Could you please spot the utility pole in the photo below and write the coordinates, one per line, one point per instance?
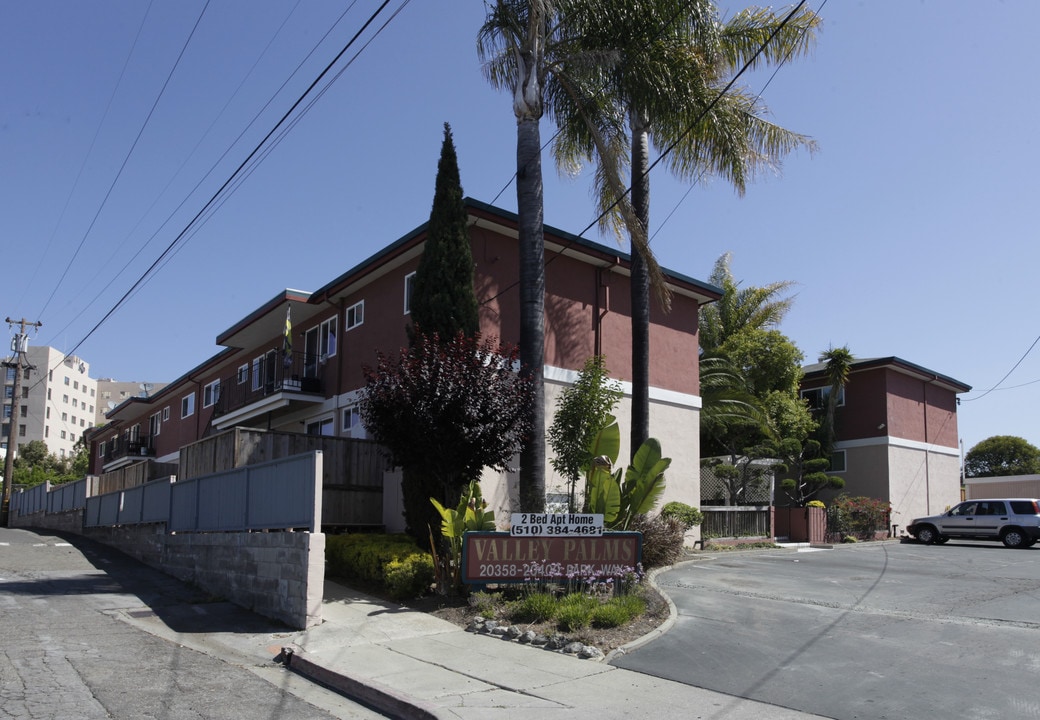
(19, 346)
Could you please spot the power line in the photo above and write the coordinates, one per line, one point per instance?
(216, 195)
(126, 158)
(997, 386)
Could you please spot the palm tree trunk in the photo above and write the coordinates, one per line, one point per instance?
(532, 306)
(640, 289)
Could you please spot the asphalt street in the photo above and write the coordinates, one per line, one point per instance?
(877, 630)
(65, 652)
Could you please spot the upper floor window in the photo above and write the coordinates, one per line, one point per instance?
(243, 374)
(817, 397)
(327, 338)
(165, 414)
(355, 315)
(188, 405)
(409, 285)
(211, 393)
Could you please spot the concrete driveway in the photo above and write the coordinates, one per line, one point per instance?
(876, 630)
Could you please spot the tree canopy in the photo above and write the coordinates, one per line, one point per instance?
(1002, 455)
(424, 407)
(443, 301)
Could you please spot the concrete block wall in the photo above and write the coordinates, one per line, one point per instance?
(280, 575)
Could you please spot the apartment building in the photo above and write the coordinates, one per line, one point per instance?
(338, 328)
(896, 434)
(57, 403)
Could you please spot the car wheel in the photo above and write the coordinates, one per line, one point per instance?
(1015, 538)
(927, 535)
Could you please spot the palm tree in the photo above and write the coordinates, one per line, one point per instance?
(749, 308)
(512, 46)
(671, 62)
(839, 364)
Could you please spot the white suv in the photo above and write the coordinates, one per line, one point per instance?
(1013, 521)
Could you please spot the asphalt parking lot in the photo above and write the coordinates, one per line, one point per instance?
(874, 630)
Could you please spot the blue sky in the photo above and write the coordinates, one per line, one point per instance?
(907, 233)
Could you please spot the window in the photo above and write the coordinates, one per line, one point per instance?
(165, 414)
(327, 338)
(258, 373)
(187, 406)
(355, 315)
(7, 412)
(321, 427)
(25, 392)
(10, 374)
(48, 413)
(352, 422)
(64, 417)
(46, 431)
(75, 384)
(24, 411)
(319, 344)
(817, 397)
(210, 394)
(243, 374)
(66, 379)
(21, 431)
(75, 403)
(8, 392)
(154, 425)
(65, 399)
(102, 446)
(409, 285)
(837, 461)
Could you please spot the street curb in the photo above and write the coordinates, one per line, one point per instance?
(365, 690)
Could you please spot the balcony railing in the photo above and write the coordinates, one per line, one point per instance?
(123, 448)
(273, 373)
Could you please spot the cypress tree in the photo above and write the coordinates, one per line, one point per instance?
(443, 301)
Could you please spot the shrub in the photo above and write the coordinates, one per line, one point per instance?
(858, 517)
(574, 611)
(410, 577)
(618, 610)
(534, 607)
(688, 515)
(663, 538)
(815, 503)
(366, 556)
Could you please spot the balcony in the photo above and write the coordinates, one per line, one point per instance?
(269, 382)
(125, 449)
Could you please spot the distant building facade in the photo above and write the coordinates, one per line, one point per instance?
(57, 403)
(896, 434)
(112, 393)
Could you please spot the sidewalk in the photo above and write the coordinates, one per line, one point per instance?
(409, 664)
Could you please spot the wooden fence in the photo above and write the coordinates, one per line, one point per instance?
(754, 521)
(352, 470)
(130, 476)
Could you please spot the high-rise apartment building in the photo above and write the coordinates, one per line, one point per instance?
(57, 401)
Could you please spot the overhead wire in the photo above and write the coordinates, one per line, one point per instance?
(1006, 376)
(126, 158)
(217, 194)
(86, 157)
(747, 64)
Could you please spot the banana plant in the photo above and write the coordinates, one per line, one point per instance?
(621, 500)
(471, 514)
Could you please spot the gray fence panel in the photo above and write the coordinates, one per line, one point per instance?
(92, 515)
(130, 503)
(222, 501)
(281, 493)
(108, 513)
(155, 507)
(184, 505)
